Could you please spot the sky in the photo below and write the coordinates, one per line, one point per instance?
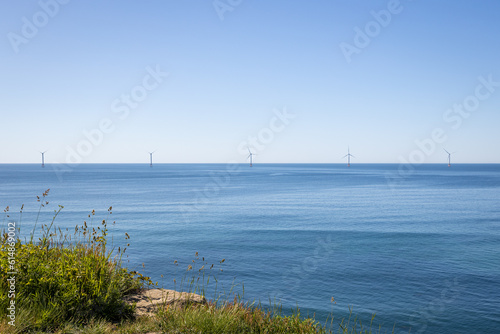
(293, 81)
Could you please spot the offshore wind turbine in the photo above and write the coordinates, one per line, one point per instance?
(250, 156)
(151, 158)
(43, 158)
(348, 155)
(449, 157)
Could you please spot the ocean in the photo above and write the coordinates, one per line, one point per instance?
(419, 246)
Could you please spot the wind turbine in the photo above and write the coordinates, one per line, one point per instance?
(43, 158)
(449, 157)
(151, 158)
(250, 156)
(348, 155)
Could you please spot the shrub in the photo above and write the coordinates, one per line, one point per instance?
(64, 276)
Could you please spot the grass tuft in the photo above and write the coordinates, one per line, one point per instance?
(64, 277)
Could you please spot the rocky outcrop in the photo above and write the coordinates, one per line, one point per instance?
(150, 301)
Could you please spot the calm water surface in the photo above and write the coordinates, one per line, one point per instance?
(419, 247)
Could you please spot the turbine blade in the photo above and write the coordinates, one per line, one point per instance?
(446, 151)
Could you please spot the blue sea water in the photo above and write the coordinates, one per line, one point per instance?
(417, 245)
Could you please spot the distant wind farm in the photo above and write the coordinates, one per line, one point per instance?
(251, 156)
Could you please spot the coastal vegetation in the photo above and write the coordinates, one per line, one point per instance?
(73, 281)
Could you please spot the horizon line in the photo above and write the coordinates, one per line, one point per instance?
(243, 163)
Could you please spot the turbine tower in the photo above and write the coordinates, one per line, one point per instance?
(151, 159)
(250, 156)
(449, 157)
(43, 158)
(348, 155)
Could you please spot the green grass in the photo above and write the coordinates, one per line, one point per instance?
(234, 317)
(66, 276)
(71, 282)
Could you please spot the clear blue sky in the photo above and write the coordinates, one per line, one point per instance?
(69, 68)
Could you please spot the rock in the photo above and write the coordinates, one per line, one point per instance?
(150, 301)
